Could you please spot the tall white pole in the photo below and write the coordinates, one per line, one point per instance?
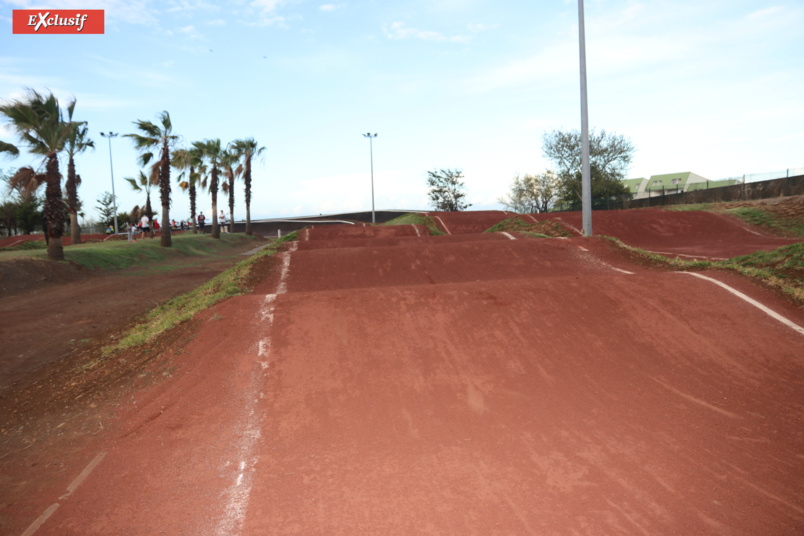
(111, 135)
(586, 179)
(369, 135)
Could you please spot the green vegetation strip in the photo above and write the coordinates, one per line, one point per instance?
(417, 219)
(782, 268)
(776, 223)
(542, 229)
(120, 254)
(230, 283)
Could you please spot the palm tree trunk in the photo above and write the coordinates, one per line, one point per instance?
(164, 191)
(75, 230)
(54, 209)
(231, 207)
(213, 187)
(192, 201)
(72, 201)
(247, 180)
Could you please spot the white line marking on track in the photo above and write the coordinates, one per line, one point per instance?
(570, 226)
(70, 489)
(770, 312)
(239, 493)
(41, 520)
(442, 223)
(582, 248)
(512, 237)
(620, 270)
(532, 218)
(416, 229)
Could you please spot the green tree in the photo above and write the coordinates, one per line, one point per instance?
(446, 190)
(40, 124)
(213, 153)
(77, 142)
(532, 193)
(144, 183)
(610, 156)
(249, 149)
(155, 138)
(192, 161)
(105, 208)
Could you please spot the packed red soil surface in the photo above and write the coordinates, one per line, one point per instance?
(684, 233)
(381, 382)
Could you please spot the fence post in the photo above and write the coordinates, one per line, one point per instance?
(662, 195)
(743, 187)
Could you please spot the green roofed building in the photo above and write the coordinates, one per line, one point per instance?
(672, 183)
(680, 182)
(636, 186)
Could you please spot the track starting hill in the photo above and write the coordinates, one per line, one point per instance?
(386, 381)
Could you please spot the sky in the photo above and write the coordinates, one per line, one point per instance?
(710, 87)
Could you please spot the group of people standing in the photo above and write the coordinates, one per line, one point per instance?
(221, 221)
(143, 227)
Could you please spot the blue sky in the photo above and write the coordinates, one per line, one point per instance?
(711, 87)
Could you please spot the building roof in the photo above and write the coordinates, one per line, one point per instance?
(634, 185)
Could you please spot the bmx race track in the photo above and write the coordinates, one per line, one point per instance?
(384, 381)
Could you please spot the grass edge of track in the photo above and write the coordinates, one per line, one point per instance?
(781, 269)
(166, 316)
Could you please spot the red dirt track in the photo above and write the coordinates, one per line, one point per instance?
(385, 383)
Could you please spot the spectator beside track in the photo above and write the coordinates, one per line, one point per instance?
(145, 226)
(201, 219)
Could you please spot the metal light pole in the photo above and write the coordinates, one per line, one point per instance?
(586, 179)
(111, 135)
(370, 136)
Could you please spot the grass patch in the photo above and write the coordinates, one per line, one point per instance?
(773, 221)
(30, 245)
(782, 268)
(120, 254)
(417, 219)
(542, 229)
(776, 223)
(230, 283)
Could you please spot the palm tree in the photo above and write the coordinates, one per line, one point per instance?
(231, 170)
(153, 138)
(192, 160)
(212, 151)
(39, 123)
(144, 183)
(249, 149)
(77, 142)
(9, 149)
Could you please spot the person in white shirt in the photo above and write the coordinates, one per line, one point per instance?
(146, 226)
(224, 228)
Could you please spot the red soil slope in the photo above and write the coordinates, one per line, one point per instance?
(686, 233)
(496, 387)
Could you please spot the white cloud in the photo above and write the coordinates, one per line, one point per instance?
(267, 5)
(398, 30)
(191, 32)
(327, 7)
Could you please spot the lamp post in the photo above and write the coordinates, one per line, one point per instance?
(370, 136)
(111, 135)
(586, 179)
